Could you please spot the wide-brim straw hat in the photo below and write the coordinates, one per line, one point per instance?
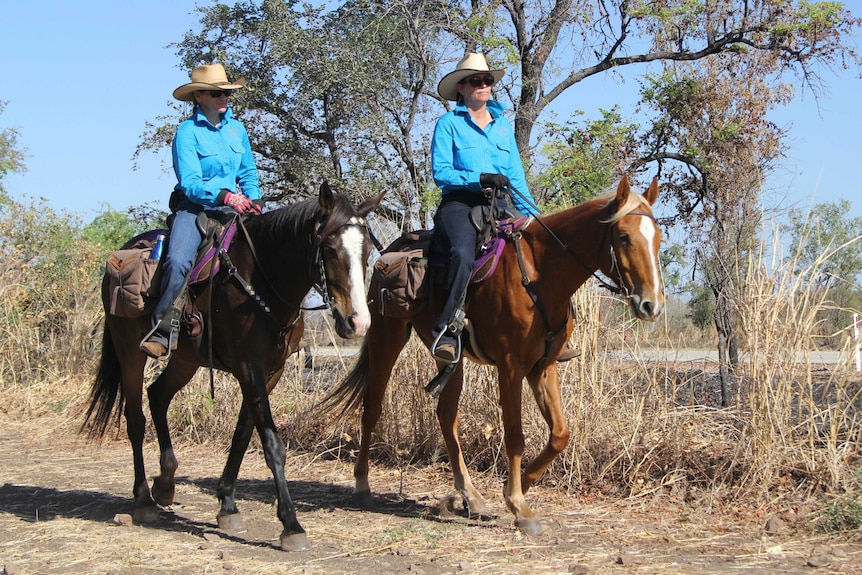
(470, 64)
(208, 77)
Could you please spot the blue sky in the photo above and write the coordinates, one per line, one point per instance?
(81, 79)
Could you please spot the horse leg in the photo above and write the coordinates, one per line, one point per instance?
(228, 516)
(174, 377)
(255, 396)
(546, 389)
(447, 416)
(513, 434)
(384, 342)
(132, 376)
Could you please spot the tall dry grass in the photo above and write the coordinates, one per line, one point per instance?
(638, 427)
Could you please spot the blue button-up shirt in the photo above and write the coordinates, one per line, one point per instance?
(208, 159)
(461, 151)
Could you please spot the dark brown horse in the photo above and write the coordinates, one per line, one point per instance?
(256, 323)
(521, 329)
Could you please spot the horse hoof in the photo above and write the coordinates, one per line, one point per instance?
(476, 508)
(147, 514)
(163, 497)
(294, 542)
(363, 499)
(229, 521)
(529, 526)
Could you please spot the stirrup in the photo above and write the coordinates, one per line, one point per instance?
(436, 341)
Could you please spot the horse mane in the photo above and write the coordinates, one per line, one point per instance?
(633, 203)
(297, 220)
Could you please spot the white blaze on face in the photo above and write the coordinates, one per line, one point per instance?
(648, 230)
(353, 241)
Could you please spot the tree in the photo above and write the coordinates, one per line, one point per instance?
(11, 156)
(348, 93)
(826, 229)
(827, 240)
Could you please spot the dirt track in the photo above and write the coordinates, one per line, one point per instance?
(58, 496)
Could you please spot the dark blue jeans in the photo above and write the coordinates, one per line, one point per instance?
(455, 238)
(178, 259)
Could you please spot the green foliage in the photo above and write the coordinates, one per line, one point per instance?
(701, 307)
(11, 156)
(585, 159)
(827, 233)
(111, 229)
(844, 513)
(50, 269)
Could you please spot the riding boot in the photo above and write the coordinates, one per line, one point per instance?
(162, 339)
(447, 344)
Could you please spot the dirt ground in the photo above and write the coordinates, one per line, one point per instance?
(60, 499)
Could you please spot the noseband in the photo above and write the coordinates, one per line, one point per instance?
(621, 288)
(321, 287)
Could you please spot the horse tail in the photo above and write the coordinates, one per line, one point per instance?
(348, 396)
(106, 390)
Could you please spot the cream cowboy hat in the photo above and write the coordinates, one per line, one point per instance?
(469, 65)
(209, 77)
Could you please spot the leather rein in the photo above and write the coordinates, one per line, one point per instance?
(619, 289)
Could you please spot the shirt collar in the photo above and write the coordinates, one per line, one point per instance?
(201, 118)
(494, 107)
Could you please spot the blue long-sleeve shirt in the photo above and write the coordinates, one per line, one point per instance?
(461, 151)
(209, 159)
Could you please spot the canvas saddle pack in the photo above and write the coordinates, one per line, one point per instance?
(401, 271)
(133, 279)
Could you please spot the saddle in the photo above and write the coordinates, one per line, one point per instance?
(401, 270)
(218, 229)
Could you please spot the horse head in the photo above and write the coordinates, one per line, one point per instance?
(633, 261)
(344, 247)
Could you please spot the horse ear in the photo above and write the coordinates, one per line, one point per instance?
(369, 206)
(651, 194)
(325, 197)
(623, 191)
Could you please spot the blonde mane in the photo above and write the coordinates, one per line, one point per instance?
(633, 202)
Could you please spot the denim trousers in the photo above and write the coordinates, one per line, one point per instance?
(455, 238)
(183, 242)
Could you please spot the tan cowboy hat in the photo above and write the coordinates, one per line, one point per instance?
(209, 77)
(470, 64)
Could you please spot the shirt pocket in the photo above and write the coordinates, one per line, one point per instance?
(467, 156)
(208, 154)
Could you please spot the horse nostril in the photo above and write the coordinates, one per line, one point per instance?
(648, 308)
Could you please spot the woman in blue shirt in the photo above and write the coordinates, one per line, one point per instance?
(215, 167)
(473, 148)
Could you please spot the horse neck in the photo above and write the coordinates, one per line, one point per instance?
(286, 255)
(583, 237)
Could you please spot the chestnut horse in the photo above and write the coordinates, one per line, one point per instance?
(519, 320)
(255, 316)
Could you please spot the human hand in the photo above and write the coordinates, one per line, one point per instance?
(240, 203)
(498, 181)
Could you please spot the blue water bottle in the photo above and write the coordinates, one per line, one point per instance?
(158, 247)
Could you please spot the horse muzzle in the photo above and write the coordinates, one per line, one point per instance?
(352, 326)
(645, 308)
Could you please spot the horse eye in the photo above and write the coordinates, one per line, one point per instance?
(625, 239)
(329, 252)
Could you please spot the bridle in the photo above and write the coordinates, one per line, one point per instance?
(321, 286)
(619, 289)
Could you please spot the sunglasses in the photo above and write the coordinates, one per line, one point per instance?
(477, 81)
(218, 93)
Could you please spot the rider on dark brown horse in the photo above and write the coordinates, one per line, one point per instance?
(473, 148)
(212, 156)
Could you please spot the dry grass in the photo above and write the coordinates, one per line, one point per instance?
(638, 428)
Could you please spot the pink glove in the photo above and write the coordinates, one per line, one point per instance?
(240, 203)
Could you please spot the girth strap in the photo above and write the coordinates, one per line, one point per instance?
(528, 285)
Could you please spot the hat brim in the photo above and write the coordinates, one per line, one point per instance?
(184, 92)
(448, 86)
